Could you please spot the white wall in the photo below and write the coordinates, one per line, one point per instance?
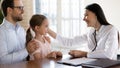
(111, 10)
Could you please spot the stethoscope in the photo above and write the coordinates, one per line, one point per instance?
(95, 40)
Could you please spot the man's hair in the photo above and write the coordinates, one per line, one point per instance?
(5, 4)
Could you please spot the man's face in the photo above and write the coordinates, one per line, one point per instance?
(17, 11)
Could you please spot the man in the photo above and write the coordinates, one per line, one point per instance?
(12, 35)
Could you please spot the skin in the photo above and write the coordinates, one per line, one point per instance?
(40, 32)
(16, 14)
(91, 19)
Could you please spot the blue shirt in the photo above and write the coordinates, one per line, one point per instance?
(12, 43)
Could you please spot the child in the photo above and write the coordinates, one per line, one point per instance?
(39, 24)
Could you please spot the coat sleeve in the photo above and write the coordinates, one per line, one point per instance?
(72, 41)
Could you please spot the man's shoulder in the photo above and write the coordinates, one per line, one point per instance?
(2, 27)
(2, 30)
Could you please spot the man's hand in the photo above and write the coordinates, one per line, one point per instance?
(32, 46)
(78, 53)
(59, 54)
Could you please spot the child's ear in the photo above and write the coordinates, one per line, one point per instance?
(36, 28)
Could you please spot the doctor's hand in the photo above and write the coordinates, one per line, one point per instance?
(77, 53)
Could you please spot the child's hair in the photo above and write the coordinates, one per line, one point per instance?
(36, 20)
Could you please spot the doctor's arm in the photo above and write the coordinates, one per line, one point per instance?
(68, 41)
(52, 33)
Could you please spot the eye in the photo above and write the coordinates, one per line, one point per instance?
(86, 16)
(46, 25)
(19, 7)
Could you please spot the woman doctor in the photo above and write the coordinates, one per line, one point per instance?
(102, 41)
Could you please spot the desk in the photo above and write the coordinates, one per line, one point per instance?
(45, 63)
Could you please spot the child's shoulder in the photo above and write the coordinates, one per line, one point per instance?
(36, 40)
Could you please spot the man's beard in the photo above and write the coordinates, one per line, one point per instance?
(17, 18)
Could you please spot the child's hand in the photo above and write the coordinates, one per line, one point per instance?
(54, 54)
(59, 54)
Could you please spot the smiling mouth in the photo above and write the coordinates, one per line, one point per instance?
(87, 22)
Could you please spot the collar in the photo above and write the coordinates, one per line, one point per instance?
(100, 30)
(10, 25)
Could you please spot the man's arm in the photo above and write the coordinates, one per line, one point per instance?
(7, 56)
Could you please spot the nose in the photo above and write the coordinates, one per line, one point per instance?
(84, 19)
(22, 11)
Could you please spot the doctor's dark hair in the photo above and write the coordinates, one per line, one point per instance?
(5, 4)
(97, 10)
(36, 20)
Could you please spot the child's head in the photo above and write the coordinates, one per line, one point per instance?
(39, 24)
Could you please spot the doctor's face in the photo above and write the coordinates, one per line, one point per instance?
(90, 18)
